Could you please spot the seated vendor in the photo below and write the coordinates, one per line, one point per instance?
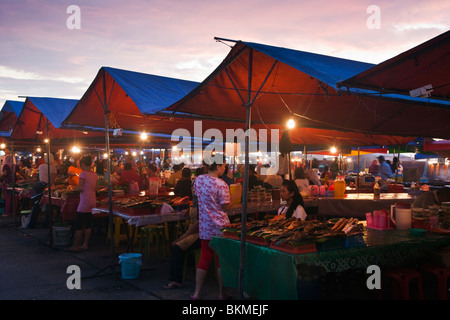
(294, 201)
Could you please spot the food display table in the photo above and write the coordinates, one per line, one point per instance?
(358, 204)
(68, 204)
(143, 220)
(255, 207)
(270, 274)
(135, 221)
(352, 205)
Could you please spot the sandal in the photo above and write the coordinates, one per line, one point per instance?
(171, 286)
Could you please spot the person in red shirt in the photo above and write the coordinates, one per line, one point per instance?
(129, 175)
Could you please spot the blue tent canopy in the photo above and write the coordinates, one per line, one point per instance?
(151, 93)
(327, 69)
(129, 97)
(54, 109)
(286, 83)
(13, 106)
(330, 70)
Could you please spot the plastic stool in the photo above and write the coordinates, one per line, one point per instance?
(442, 274)
(402, 278)
(118, 234)
(159, 234)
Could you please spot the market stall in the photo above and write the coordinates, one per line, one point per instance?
(272, 266)
(358, 204)
(266, 75)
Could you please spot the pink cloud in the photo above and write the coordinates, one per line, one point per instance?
(175, 38)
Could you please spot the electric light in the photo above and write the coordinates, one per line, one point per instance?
(75, 149)
(290, 124)
(144, 136)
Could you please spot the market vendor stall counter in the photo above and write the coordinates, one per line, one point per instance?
(358, 204)
(271, 274)
(351, 205)
(68, 204)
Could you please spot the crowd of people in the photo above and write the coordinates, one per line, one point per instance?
(212, 200)
(208, 186)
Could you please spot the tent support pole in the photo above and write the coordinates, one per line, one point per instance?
(357, 177)
(248, 107)
(396, 166)
(108, 162)
(13, 181)
(304, 157)
(50, 211)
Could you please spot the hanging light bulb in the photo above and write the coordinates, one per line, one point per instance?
(144, 136)
(333, 150)
(290, 124)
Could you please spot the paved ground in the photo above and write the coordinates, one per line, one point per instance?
(31, 270)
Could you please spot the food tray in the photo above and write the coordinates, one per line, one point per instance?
(231, 235)
(140, 211)
(257, 240)
(441, 231)
(289, 248)
(330, 244)
(354, 241)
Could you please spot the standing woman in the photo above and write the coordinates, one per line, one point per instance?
(83, 219)
(7, 177)
(213, 202)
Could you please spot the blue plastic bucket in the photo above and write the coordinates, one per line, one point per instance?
(130, 265)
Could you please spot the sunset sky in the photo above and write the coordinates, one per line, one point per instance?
(41, 56)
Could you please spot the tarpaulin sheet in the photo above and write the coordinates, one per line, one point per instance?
(286, 83)
(427, 63)
(32, 121)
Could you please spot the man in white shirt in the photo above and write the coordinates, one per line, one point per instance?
(43, 170)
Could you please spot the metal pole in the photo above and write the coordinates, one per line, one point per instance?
(289, 164)
(108, 162)
(13, 181)
(357, 176)
(304, 157)
(396, 166)
(245, 182)
(49, 209)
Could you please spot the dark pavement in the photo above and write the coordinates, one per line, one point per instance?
(31, 270)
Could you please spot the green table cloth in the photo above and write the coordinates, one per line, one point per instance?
(270, 274)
